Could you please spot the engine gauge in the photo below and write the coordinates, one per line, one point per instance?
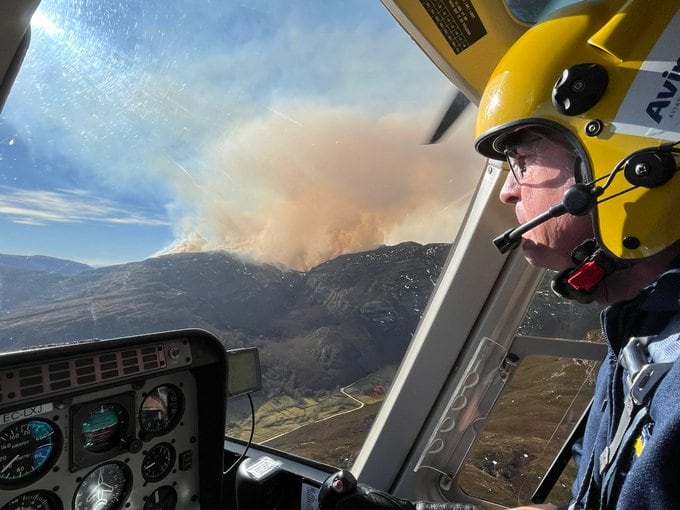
(161, 410)
(35, 500)
(27, 450)
(158, 462)
(104, 488)
(163, 498)
(103, 427)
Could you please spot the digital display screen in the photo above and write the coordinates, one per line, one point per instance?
(243, 371)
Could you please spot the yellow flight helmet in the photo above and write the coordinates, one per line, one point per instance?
(605, 75)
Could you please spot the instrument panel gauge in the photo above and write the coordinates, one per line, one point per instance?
(35, 500)
(103, 427)
(104, 488)
(161, 410)
(163, 498)
(158, 462)
(27, 450)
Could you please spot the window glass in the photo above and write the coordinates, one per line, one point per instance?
(553, 317)
(538, 411)
(252, 168)
(539, 408)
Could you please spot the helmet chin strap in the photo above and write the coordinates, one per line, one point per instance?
(582, 282)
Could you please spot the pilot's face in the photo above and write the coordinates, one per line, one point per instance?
(542, 172)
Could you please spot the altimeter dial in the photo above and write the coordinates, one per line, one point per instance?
(161, 410)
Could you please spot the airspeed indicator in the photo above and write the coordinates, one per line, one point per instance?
(27, 450)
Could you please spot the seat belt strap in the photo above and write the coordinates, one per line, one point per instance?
(612, 477)
(641, 376)
(610, 450)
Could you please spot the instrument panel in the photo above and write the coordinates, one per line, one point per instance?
(110, 425)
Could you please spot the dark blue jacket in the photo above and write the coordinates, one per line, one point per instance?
(648, 475)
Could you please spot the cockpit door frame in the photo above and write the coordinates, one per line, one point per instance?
(480, 292)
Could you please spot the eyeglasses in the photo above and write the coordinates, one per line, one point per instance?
(526, 150)
(518, 161)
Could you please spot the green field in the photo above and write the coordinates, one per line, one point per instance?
(321, 429)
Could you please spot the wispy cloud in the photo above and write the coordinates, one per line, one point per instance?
(41, 207)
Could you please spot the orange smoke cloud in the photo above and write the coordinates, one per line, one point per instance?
(305, 184)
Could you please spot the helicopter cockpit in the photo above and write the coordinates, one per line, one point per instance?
(232, 263)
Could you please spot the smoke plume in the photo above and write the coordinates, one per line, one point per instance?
(304, 183)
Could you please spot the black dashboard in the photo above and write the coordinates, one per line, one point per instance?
(134, 423)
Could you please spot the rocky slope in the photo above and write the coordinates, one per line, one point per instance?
(318, 329)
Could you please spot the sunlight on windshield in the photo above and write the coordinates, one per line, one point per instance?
(257, 169)
(250, 125)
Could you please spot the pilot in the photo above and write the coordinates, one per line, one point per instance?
(590, 132)
(585, 111)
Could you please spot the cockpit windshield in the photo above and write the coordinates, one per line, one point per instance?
(258, 169)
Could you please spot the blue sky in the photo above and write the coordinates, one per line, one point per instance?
(286, 131)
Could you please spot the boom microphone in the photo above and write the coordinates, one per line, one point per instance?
(511, 238)
(578, 200)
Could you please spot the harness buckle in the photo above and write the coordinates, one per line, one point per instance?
(646, 380)
(642, 374)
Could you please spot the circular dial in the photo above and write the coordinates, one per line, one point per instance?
(27, 449)
(103, 427)
(34, 500)
(104, 488)
(158, 462)
(163, 498)
(161, 410)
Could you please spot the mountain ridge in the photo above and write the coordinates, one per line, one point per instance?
(339, 321)
(63, 267)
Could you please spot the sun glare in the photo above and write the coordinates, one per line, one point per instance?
(42, 22)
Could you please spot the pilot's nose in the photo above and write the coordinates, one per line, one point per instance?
(510, 192)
